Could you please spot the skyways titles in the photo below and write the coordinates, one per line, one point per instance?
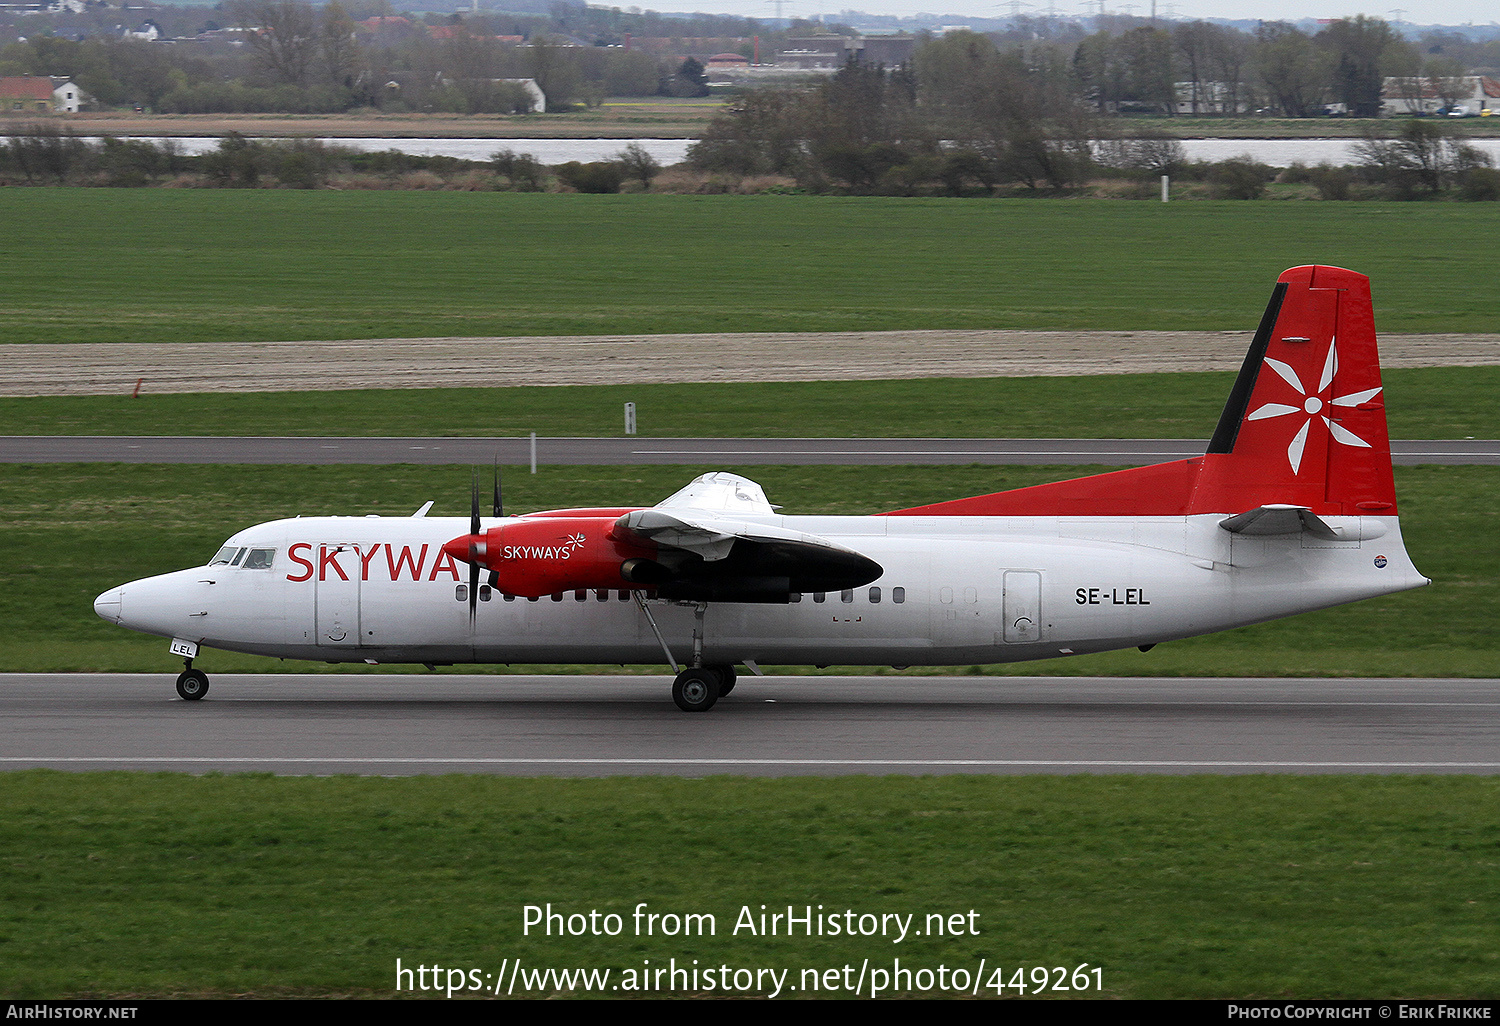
(790, 921)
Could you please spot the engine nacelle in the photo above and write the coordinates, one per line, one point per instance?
(536, 557)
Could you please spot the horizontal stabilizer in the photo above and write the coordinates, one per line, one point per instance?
(1279, 519)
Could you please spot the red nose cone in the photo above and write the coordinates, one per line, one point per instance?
(467, 548)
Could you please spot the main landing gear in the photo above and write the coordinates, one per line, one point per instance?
(192, 684)
(697, 688)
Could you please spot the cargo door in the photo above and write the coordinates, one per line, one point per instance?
(1023, 606)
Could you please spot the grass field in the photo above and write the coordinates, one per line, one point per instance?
(1273, 887)
(165, 265)
(1429, 402)
(70, 531)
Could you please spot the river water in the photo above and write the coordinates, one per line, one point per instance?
(1276, 152)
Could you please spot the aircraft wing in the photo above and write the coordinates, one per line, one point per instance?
(707, 549)
(712, 537)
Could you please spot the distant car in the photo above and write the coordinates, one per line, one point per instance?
(1458, 112)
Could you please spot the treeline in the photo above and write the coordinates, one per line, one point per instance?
(287, 56)
(43, 154)
(1206, 68)
(1422, 160)
(967, 115)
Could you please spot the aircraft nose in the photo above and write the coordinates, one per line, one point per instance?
(108, 605)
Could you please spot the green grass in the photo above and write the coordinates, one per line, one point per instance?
(165, 265)
(1178, 887)
(1429, 402)
(70, 531)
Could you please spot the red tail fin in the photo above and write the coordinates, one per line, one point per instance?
(1304, 425)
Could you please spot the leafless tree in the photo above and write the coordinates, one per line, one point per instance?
(283, 37)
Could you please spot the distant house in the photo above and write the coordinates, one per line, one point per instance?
(534, 91)
(1431, 94)
(890, 51)
(39, 94)
(724, 61)
(149, 31)
(383, 23)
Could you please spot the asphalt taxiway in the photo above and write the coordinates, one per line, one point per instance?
(633, 450)
(774, 726)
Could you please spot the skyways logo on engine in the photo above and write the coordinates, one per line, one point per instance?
(573, 543)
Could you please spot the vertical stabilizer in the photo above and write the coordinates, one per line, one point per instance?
(1305, 423)
(1304, 426)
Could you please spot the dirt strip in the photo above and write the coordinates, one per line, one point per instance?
(113, 369)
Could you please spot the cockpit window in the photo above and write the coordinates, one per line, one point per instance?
(259, 559)
(231, 555)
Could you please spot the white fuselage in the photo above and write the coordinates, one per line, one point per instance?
(954, 590)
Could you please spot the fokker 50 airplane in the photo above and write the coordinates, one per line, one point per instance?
(1293, 508)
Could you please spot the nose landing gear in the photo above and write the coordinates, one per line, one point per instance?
(192, 684)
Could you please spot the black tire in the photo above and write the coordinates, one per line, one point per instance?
(727, 679)
(696, 690)
(192, 685)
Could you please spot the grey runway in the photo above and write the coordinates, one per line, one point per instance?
(677, 451)
(774, 726)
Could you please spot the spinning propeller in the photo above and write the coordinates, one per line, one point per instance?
(475, 560)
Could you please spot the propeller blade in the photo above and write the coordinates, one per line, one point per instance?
(498, 508)
(473, 554)
(473, 586)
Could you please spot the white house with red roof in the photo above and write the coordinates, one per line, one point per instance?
(39, 94)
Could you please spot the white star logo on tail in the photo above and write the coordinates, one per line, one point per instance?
(1313, 404)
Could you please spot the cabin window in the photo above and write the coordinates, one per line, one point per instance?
(795, 596)
(818, 596)
(557, 596)
(898, 595)
(970, 595)
(874, 596)
(580, 594)
(508, 596)
(534, 598)
(847, 595)
(624, 596)
(945, 596)
(602, 596)
(461, 592)
(484, 593)
(259, 559)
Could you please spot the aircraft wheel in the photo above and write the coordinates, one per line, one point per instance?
(192, 685)
(727, 679)
(696, 690)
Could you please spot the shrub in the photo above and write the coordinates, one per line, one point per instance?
(1240, 178)
(1479, 184)
(600, 176)
(524, 171)
(1332, 183)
